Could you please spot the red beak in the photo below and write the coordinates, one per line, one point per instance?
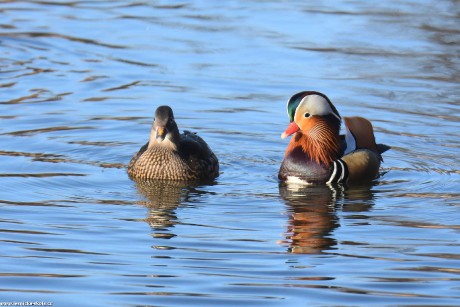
(291, 129)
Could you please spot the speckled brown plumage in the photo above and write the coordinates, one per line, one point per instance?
(187, 157)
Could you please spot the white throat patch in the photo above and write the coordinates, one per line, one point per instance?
(167, 143)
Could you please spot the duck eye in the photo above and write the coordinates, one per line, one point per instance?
(307, 114)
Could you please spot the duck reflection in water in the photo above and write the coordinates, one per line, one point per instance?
(162, 199)
(312, 211)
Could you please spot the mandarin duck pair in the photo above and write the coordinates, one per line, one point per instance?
(316, 154)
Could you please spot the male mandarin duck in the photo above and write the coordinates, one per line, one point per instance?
(169, 155)
(318, 154)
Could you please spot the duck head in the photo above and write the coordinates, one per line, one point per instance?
(315, 126)
(164, 129)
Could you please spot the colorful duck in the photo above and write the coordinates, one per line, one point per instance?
(169, 155)
(318, 154)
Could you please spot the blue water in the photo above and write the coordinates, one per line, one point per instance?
(79, 85)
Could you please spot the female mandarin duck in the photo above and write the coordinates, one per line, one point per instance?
(169, 155)
(317, 153)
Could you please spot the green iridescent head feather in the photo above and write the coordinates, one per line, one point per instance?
(295, 100)
(293, 103)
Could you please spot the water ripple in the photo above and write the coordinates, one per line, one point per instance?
(79, 90)
(61, 36)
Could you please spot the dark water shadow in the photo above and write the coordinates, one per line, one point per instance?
(163, 198)
(312, 214)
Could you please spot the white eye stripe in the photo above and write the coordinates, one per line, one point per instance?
(317, 105)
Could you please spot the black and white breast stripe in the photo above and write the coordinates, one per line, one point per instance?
(339, 172)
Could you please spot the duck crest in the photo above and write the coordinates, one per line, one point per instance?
(320, 144)
(296, 100)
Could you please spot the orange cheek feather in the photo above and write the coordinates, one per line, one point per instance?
(306, 124)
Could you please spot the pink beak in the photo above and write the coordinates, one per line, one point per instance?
(291, 129)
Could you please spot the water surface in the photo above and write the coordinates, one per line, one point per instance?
(80, 82)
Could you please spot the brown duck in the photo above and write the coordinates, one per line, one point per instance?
(318, 154)
(169, 155)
